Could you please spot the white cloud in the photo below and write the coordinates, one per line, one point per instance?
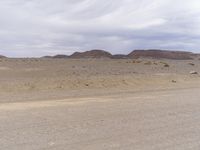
(35, 27)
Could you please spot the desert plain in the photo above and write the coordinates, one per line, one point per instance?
(99, 104)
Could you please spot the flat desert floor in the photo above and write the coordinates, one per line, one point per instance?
(99, 104)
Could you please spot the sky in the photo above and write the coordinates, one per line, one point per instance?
(48, 27)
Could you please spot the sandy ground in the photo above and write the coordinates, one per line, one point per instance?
(59, 104)
(45, 79)
(168, 119)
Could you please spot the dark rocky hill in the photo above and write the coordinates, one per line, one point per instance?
(1, 56)
(152, 53)
(179, 55)
(92, 54)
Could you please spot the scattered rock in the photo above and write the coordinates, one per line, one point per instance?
(192, 64)
(166, 65)
(86, 84)
(193, 72)
(174, 81)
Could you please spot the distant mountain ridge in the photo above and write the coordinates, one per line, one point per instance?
(92, 54)
(1, 56)
(119, 56)
(56, 56)
(151, 53)
(161, 54)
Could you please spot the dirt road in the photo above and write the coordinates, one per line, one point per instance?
(159, 120)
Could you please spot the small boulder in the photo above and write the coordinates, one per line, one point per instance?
(174, 81)
(193, 72)
(191, 64)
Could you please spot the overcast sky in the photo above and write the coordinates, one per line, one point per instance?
(48, 27)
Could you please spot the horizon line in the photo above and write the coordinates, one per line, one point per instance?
(189, 51)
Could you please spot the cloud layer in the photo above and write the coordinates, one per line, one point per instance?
(48, 27)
